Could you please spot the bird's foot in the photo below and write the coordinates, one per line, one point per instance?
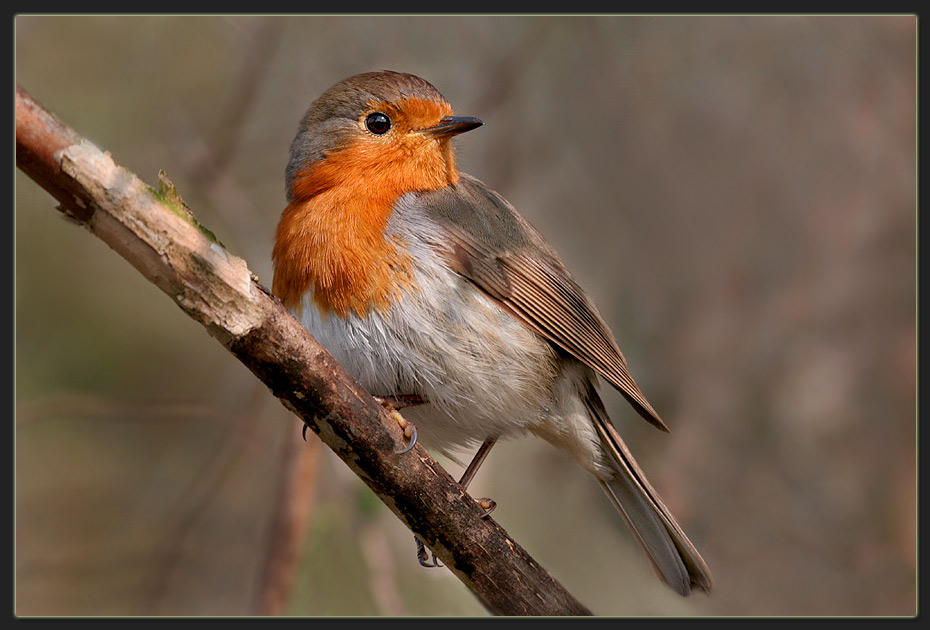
(392, 404)
(423, 555)
(487, 505)
(428, 559)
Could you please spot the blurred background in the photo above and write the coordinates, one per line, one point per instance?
(737, 194)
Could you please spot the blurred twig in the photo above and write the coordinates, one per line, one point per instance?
(292, 508)
(87, 405)
(382, 573)
(205, 157)
(220, 190)
(258, 54)
(504, 79)
(203, 488)
(156, 233)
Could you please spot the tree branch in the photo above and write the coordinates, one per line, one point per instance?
(157, 234)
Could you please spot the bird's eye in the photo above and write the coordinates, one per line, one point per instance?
(378, 123)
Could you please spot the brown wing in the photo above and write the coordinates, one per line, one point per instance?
(503, 255)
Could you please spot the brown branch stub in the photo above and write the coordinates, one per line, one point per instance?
(169, 247)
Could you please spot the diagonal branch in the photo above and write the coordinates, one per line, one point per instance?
(159, 236)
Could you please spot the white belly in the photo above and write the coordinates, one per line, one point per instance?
(484, 372)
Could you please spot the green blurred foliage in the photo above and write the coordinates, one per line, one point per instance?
(738, 194)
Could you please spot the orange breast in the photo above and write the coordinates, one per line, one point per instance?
(338, 249)
(331, 237)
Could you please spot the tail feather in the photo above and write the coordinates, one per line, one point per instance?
(675, 559)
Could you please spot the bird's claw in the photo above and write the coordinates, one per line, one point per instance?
(487, 505)
(410, 431)
(423, 555)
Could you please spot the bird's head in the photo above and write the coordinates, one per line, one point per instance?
(386, 132)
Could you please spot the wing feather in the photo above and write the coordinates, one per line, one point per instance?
(504, 256)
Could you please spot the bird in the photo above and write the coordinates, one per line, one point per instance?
(443, 301)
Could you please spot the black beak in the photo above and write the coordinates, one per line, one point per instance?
(452, 125)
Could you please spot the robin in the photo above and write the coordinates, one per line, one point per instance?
(441, 299)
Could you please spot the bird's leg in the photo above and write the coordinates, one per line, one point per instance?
(486, 504)
(472, 468)
(392, 404)
(480, 455)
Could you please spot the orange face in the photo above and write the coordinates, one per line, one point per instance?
(331, 236)
(390, 164)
